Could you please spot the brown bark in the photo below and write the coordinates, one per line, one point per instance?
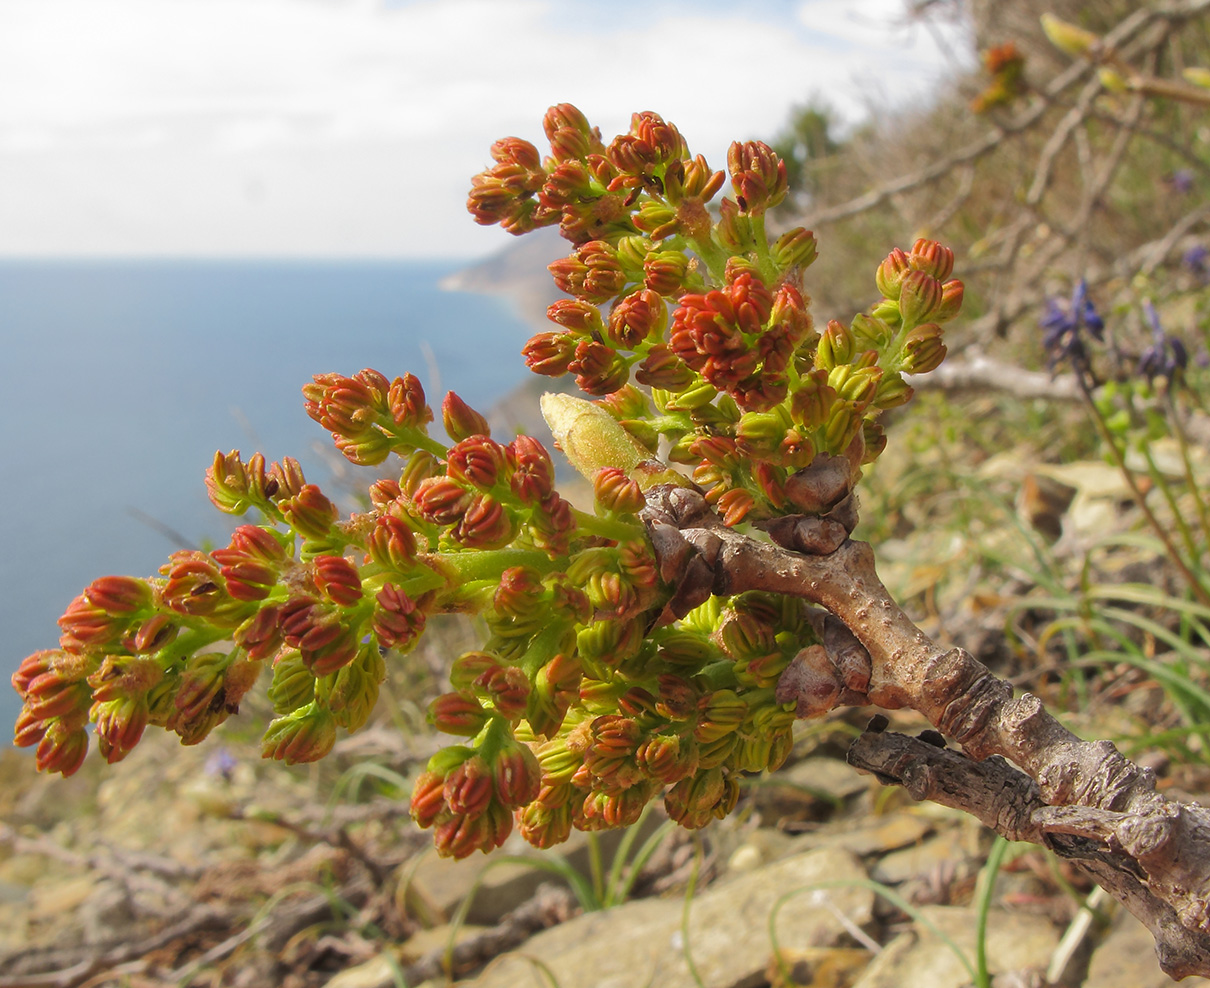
(1084, 799)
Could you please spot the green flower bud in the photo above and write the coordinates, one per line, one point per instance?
(303, 736)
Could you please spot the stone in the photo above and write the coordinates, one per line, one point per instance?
(811, 900)
(380, 971)
(809, 788)
(944, 851)
(1125, 958)
(920, 959)
(874, 835)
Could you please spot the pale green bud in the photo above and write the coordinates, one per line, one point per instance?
(589, 436)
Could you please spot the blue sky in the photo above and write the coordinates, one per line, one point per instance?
(330, 128)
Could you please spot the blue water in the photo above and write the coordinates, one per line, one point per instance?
(122, 379)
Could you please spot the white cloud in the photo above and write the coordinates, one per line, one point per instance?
(326, 128)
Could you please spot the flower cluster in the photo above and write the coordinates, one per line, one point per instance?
(587, 697)
(709, 313)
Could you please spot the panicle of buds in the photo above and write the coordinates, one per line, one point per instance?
(505, 193)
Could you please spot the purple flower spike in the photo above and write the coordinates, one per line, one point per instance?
(1063, 326)
(1167, 356)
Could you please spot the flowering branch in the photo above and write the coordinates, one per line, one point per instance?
(656, 646)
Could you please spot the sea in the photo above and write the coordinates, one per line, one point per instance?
(121, 379)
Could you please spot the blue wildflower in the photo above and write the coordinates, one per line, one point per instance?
(1064, 326)
(1167, 356)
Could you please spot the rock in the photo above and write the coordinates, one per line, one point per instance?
(728, 931)
(807, 789)
(920, 959)
(761, 847)
(945, 851)
(378, 972)
(874, 835)
(1126, 959)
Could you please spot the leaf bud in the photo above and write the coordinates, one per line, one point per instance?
(1068, 38)
(589, 436)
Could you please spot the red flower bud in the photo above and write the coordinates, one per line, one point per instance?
(62, 748)
(477, 461)
(406, 402)
(520, 592)
(890, 273)
(615, 491)
(337, 579)
(460, 420)
(951, 301)
(457, 713)
(932, 258)
(549, 353)
(469, 667)
(578, 317)
(441, 500)
(428, 798)
(639, 316)
(194, 585)
(734, 506)
(598, 369)
(119, 595)
(919, 298)
(391, 543)
(517, 776)
(533, 477)
(758, 176)
(508, 689)
(464, 833)
(310, 512)
(592, 273)
(468, 788)
(260, 635)
(397, 621)
(485, 525)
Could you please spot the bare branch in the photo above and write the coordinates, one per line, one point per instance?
(1148, 851)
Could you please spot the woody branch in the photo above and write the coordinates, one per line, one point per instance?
(1083, 799)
